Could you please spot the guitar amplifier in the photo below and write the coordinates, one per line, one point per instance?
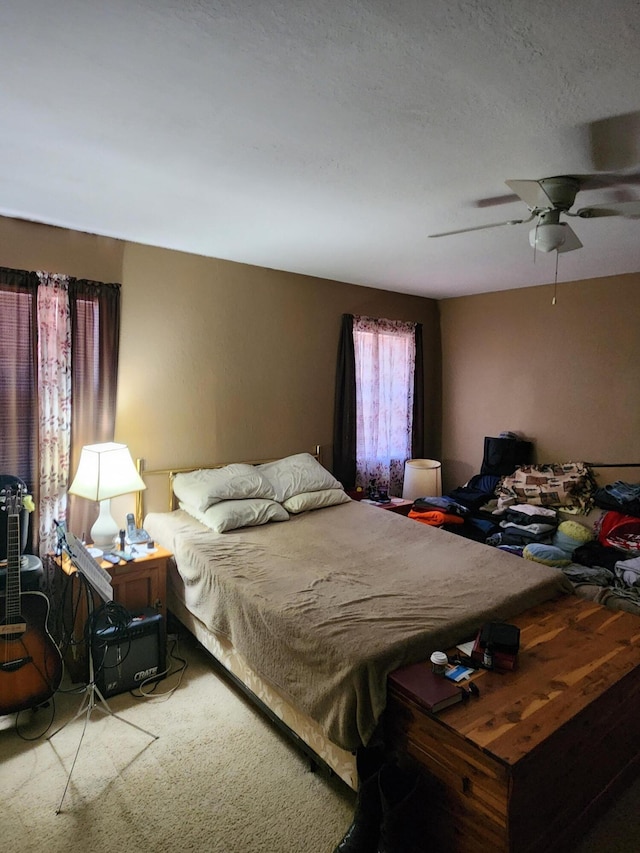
(126, 657)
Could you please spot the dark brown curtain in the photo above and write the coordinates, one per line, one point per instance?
(19, 386)
(344, 413)
(95, 335)
(417, 428)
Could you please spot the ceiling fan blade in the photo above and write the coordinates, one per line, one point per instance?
(630, 209)
(482, 227)
(497, 199)
(571, 240)
(531, 193)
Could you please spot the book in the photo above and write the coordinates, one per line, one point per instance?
(431, 691)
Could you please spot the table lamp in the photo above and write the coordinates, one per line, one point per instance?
(422, 478)
(105, 471)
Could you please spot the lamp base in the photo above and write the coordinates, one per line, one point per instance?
(105, 531)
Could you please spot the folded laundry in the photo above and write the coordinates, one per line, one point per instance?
(528, 529)
(435, 518)
(529, 514)
(525, 539)
(624, 492)
(444, 504)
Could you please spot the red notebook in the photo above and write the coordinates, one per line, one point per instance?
(433, 692)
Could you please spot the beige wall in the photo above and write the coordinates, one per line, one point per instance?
(222, 361)
(29, 246)
(565, 376)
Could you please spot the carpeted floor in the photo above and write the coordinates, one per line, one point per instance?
(219, 779)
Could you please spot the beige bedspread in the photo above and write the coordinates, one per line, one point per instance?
(327, 604)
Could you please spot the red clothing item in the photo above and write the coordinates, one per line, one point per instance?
(617, 530)
(435, 518)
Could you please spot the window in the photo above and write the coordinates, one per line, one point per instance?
(379, 403)
(384, 361)
(58, 370)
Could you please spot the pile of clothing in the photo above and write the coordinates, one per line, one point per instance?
(524, 524)
(437, 511)
(458, 511)
(607, 556)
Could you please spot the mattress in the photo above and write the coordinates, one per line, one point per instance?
(324, 606)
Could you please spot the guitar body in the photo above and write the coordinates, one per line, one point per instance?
(30, 662)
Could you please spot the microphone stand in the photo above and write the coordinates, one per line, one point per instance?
(93, 700)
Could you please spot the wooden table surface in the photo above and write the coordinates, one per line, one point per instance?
(570, 651)
(530, 763)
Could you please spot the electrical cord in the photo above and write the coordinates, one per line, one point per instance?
(109, 616)
(142, 693)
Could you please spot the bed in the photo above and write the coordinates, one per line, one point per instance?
(313, 612)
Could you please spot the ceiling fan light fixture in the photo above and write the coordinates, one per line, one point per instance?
(548, 236)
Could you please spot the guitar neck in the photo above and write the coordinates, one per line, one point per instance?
(13, 568)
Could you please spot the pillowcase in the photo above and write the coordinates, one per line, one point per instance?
(230, 515)
(316, 500)
(294, 475)
(208, 486)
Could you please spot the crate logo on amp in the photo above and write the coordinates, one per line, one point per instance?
(138, 677)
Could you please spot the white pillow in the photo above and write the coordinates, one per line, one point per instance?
(208, 486)
(294, 475)
(229, 515)
(315, 500)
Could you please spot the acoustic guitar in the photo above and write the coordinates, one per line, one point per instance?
(30, 662)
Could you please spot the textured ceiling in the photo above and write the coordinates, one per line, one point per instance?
(327, 137)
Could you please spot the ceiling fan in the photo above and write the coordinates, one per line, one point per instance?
(547, 200)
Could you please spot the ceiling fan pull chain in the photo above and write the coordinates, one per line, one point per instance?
(555, 283)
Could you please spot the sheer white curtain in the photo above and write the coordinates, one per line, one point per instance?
(54, 403)
(385, 362)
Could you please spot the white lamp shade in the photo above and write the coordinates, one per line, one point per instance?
(422, 478)
(548, 236)
(105, 471)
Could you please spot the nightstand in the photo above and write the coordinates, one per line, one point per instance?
(397, 505)
(136, 584)
(141, 582)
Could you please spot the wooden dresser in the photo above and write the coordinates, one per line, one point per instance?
(530, 763)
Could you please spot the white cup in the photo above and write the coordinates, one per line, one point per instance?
(439, 662)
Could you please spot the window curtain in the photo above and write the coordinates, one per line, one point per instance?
(58, 372)
(95, 335)
(19, 380)
(385, 357)
(345, 411)
(54, 403)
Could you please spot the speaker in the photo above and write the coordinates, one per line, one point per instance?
(125, 656)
